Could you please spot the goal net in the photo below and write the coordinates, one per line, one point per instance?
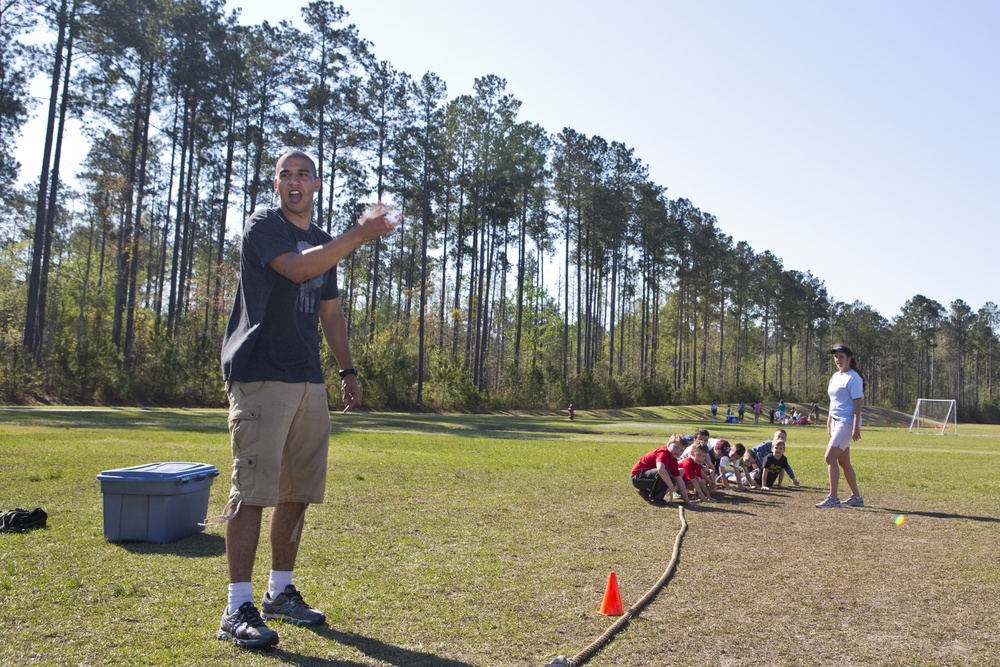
(935, 414)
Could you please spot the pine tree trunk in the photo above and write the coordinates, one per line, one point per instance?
(522, 233)
(140, 200)
(565, 351)
(34, 315)
(220, 241)
(173, 304)
(50, 215)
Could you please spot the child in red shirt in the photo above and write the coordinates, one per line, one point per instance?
(694, 473)
(676, 446)
(656, 473)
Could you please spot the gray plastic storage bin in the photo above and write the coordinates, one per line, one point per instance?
(155, 502)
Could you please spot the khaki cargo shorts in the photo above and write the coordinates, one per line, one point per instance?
(280, 434)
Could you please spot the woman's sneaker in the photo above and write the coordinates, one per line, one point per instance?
(855, 501)
(246, 628)
(829, 501)
(289, 607)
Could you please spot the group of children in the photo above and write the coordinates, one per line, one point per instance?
(800, 418)
(690, 466)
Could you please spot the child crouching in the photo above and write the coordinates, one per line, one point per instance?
(742, 463)
(657, 473)
(773, 463)
(694, 473)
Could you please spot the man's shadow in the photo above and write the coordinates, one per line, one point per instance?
(940, 515)
(373, 648)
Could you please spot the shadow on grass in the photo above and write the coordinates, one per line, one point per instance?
(303, 661)
(716, 507)
(631, 413)
(726, 498)
(466, 424)
(143, 419)
(373, 648)
(729, 501)
(939, 515)
(202, 545)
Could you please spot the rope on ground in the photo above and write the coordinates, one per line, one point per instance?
(602, 641)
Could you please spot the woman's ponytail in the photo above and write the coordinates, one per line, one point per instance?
(854, 367)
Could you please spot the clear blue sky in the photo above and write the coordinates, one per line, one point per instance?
(858, 140)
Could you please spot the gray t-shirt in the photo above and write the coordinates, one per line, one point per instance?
(843, 389)
(273, 331)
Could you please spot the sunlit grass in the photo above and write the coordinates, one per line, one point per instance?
(451, 540)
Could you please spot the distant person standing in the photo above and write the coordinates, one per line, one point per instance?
(715, 409)
(770, 415)
(740, 409)
(781, 409)
(843, 424)
(756, 412)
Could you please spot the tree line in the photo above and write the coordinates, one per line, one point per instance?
(116, 288)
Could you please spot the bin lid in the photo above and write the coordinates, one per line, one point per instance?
(179, 472)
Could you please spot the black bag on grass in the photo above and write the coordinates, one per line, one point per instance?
(21, 520)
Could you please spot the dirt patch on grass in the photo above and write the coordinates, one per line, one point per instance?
(768, 579)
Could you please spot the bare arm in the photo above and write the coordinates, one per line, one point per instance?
(664, 474)
(724, 475)
(681, 487)
(331, 318)
(739, 473)
(706, 488)
(856, 435)
(301, 266)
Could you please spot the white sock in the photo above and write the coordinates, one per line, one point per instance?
(238, 594)
(276, 584)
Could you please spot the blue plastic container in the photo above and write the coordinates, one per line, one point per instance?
(155, 502)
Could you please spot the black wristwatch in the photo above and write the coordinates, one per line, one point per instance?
(344, 372)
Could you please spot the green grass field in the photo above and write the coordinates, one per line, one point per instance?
(482, 540)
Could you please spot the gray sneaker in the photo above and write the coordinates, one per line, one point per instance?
(246, 628)
(855, 501)
(829, 501)
(289, 607)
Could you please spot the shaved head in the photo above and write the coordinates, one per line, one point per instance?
(295, 153)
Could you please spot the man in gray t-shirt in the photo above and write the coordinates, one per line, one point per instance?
(272, 332)
(279, 416)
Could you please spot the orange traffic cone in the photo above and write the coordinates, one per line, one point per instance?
(612, 604)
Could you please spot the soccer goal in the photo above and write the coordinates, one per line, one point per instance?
(935, 414)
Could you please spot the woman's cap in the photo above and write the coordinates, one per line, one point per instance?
(842, 348)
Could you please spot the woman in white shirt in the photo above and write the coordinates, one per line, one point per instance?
(843, 425)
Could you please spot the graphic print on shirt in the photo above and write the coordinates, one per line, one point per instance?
(310, 289)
